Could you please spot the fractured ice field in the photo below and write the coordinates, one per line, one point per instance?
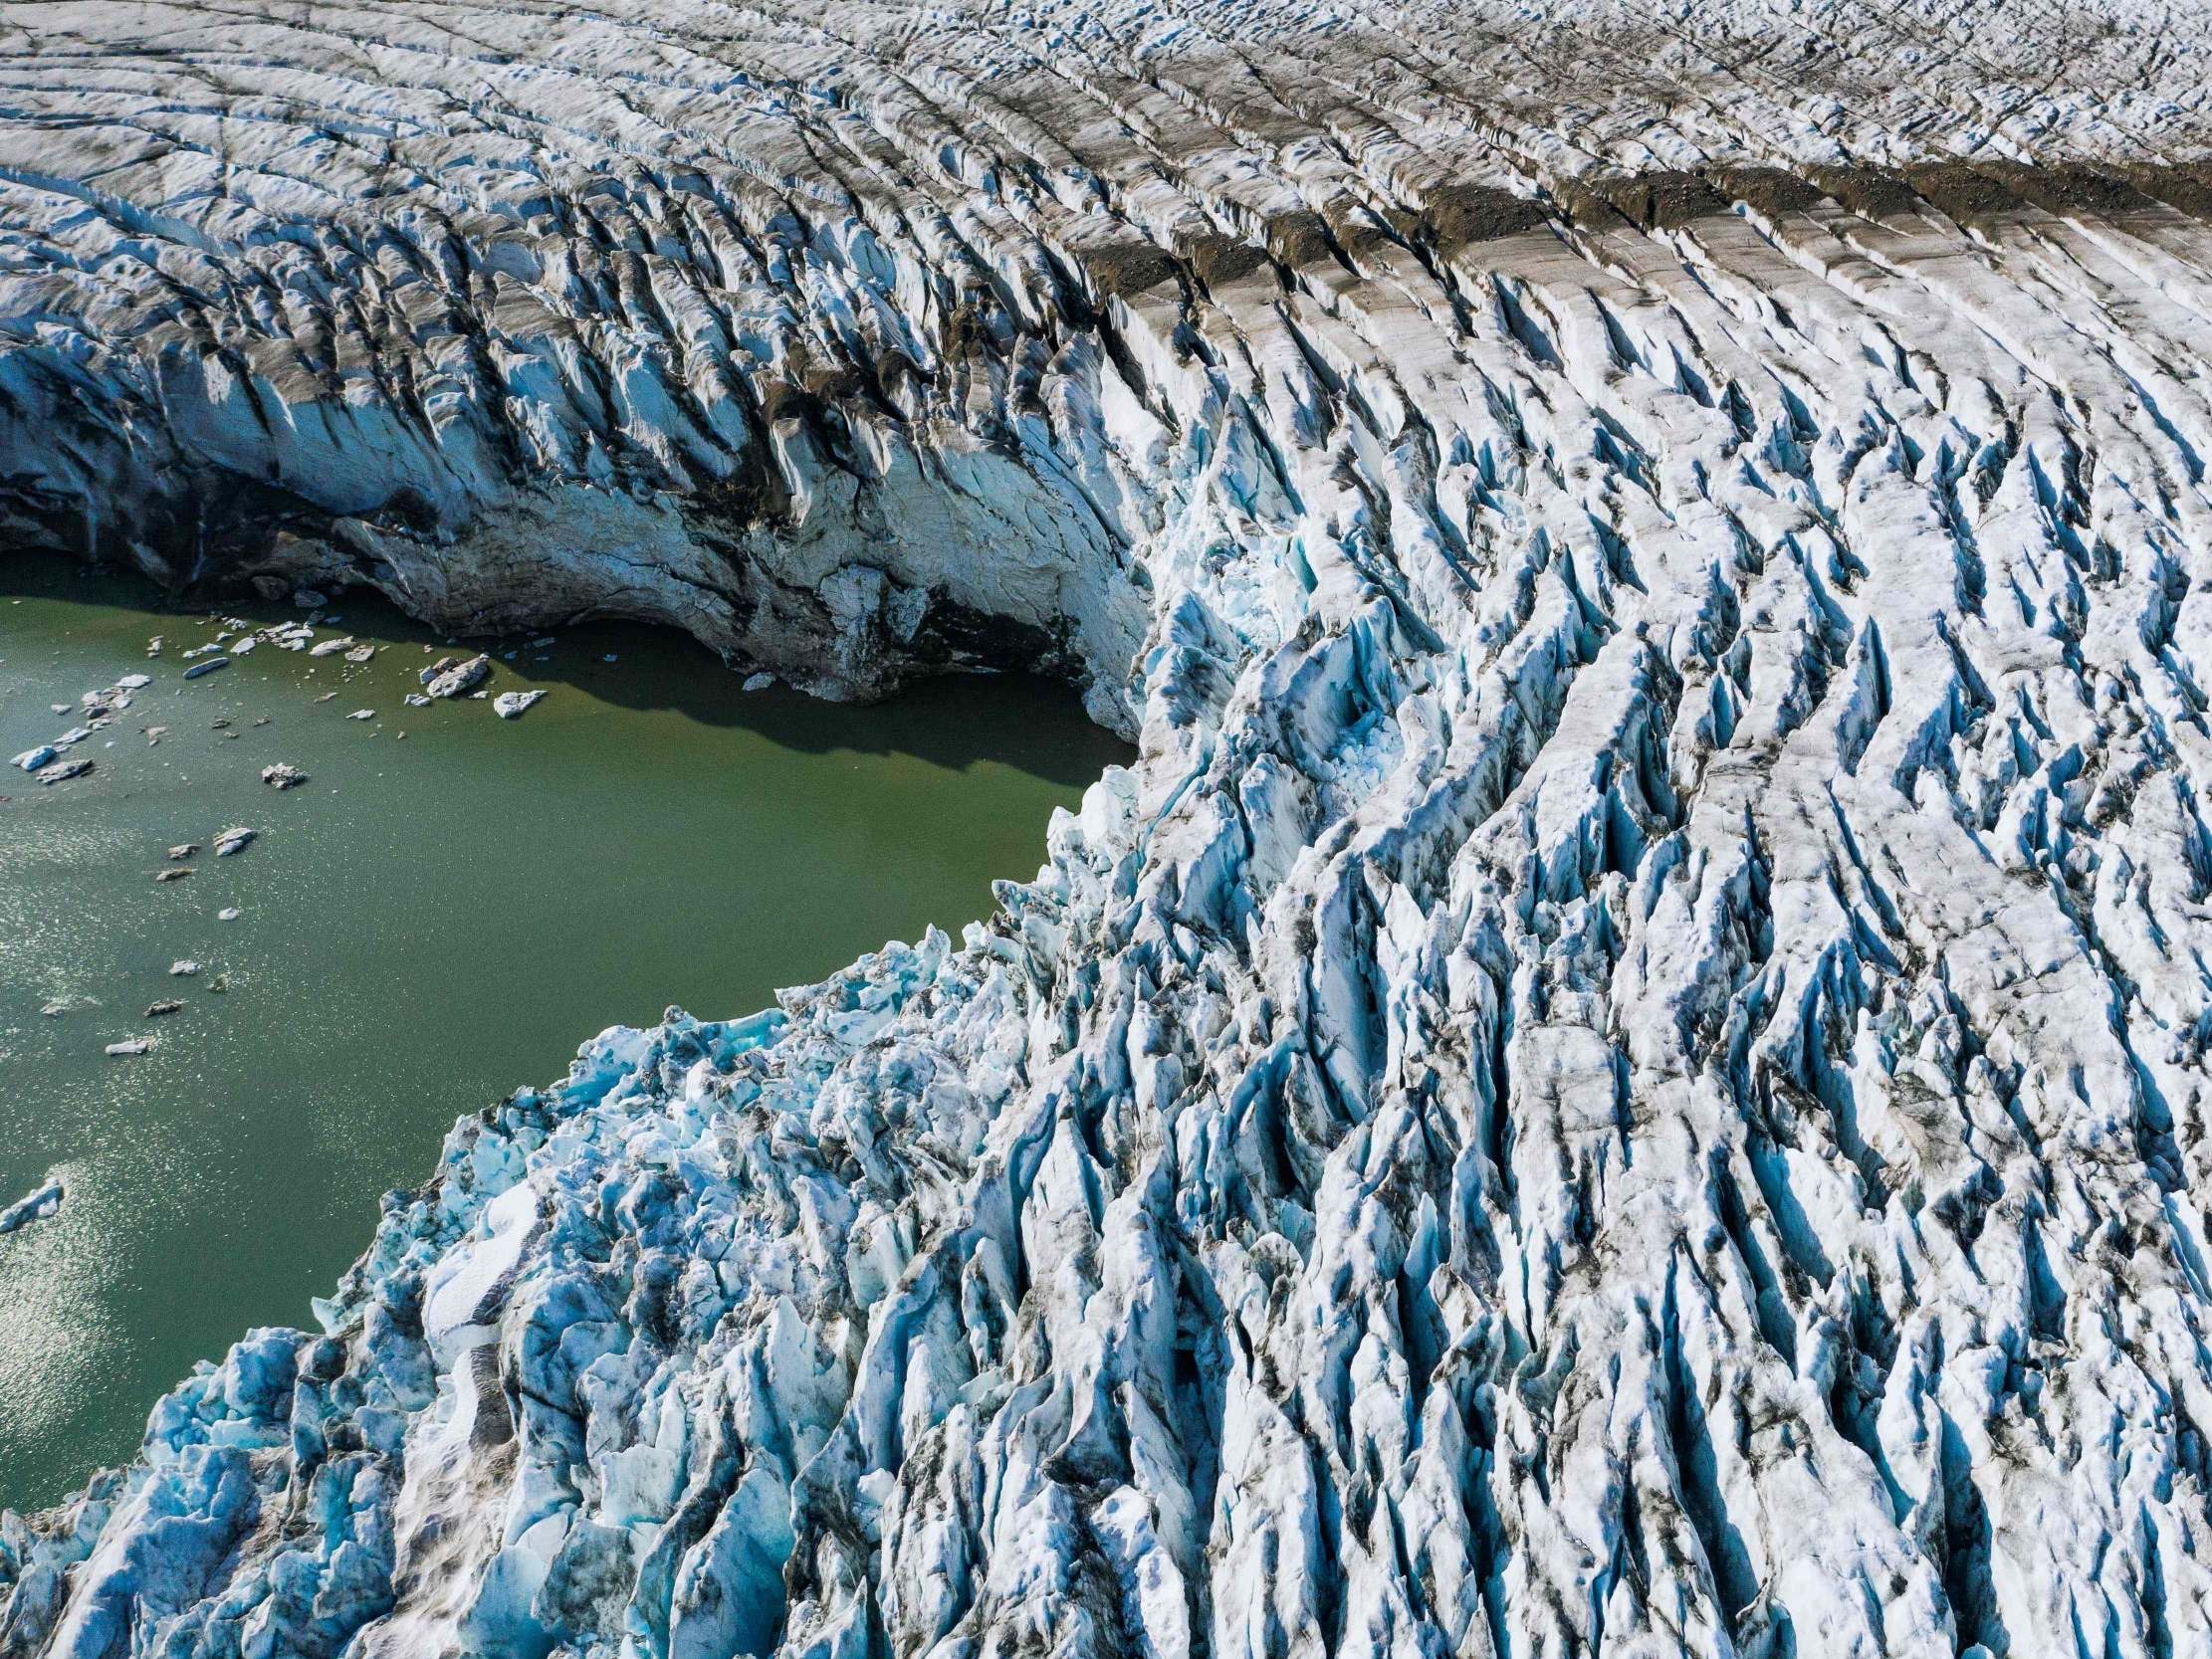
(1626, 1072)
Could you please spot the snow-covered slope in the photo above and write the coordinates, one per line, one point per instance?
(1626, 1072)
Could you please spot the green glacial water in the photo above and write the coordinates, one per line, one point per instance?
(425, 924)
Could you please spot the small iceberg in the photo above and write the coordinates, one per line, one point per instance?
(209, 666)
(450, 679)
(509, 705)
(37, 1205)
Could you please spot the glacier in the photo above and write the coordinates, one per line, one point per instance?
(1626, 1072)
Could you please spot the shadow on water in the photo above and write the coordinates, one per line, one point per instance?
(655, 668)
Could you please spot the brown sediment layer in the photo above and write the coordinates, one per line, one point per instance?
(1968, 192)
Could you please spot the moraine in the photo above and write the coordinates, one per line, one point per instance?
(424, 925)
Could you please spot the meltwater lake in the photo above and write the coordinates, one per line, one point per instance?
(426, 924)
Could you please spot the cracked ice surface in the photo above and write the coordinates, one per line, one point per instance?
(1626, 1072)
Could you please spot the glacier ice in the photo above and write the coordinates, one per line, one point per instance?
(1623, 1072)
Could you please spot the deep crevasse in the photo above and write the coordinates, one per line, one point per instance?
(1627, 1071)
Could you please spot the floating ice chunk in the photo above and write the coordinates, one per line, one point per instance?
(509, 705)
(31, 759)
(283, 776)
(39, 1205)
(233, 840)
(207, 667)
(453, 679)
(128, 1047)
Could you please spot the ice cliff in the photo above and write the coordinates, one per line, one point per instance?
(1626, 1072)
